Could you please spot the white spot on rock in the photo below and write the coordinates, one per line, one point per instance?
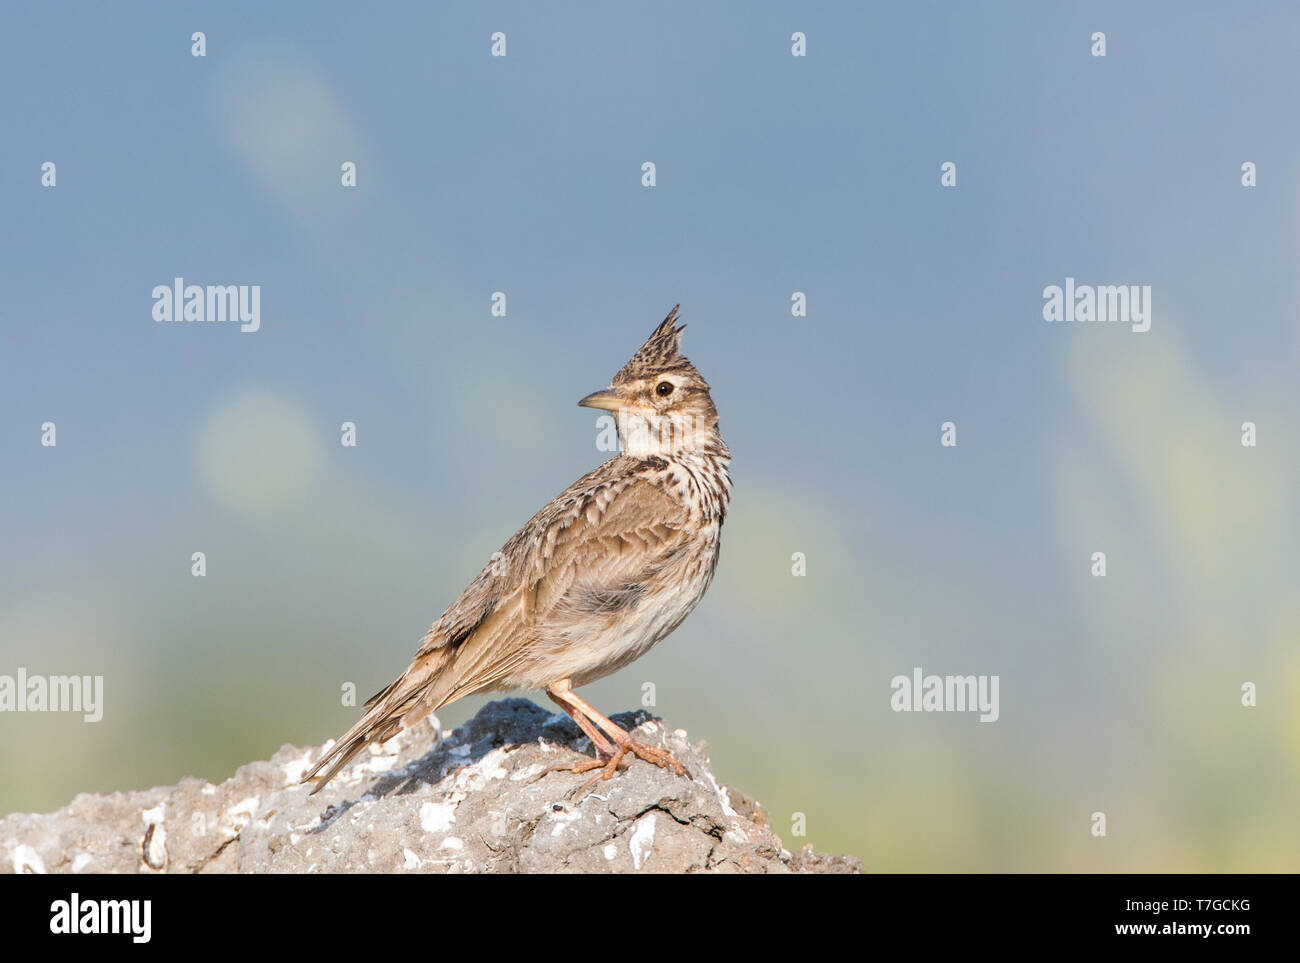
(27, 860)
(642, 841)
(482, 772)
(611, 851)
(154, 850)
(240, 815)
(379, 759)
(562, 819)
(490, 765)
(437, 817)
(245, 807)
(294, 768)
(81, 861)
(410, 860)
(723, 799)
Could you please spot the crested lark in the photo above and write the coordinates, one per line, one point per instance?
(613, 564)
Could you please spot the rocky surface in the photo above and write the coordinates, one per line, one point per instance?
(477, 802)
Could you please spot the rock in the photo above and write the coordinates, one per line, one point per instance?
(477, 802)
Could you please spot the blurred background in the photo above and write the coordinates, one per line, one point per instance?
(775, 174)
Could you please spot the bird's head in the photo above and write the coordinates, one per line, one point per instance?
(660, 401)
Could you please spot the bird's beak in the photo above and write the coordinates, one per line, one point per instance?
(605, 400)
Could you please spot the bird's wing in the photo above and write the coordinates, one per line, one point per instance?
(588, 550)
(593, 560)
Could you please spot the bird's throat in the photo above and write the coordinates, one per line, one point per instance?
(668, 436)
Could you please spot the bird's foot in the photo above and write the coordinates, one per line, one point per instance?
(612, 763)
(626, 746)
(607, 769)
(659, 757)
(586, 764)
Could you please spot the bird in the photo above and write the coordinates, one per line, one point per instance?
(605, 570)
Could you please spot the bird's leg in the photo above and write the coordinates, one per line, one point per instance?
(576, 706)
(604, 749)
(607, 757)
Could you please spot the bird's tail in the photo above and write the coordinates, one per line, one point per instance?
(398, 706)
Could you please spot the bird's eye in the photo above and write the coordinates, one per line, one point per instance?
(664, 388)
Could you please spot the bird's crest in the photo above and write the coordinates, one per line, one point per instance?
(661, 351)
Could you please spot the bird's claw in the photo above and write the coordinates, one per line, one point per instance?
(615, 762)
